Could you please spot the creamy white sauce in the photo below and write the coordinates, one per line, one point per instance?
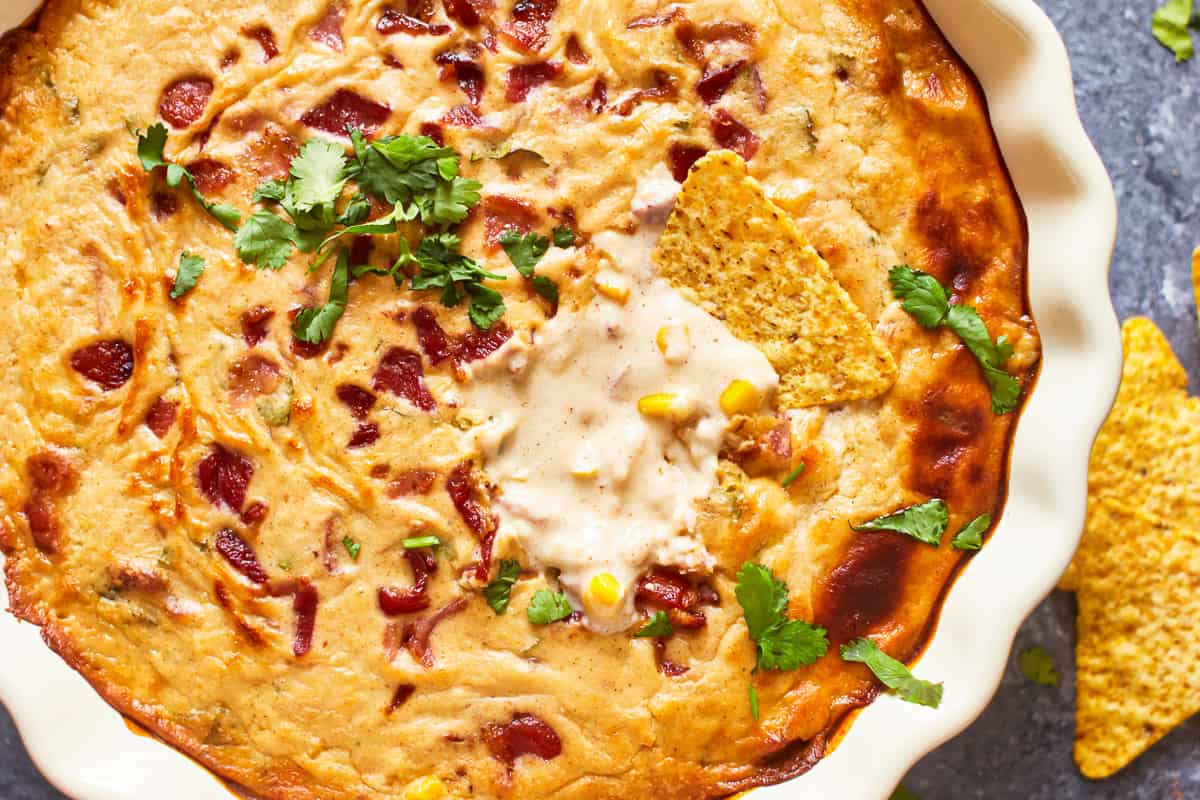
(588, 484)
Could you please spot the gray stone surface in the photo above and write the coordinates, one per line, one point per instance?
(1142, 111)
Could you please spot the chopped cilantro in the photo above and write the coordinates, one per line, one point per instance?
(547, 606)
(524, 250)
(791, 477)
(314, 324)
(265, 240)
(352, 547)
(500, 589)
(417, 542)
(150, 150)
(1038, 666)
(928, 302)
(783, 643)
(546, 288)
(440, 265)
(925, 523)
(892, 673)
(971, 535)
(190, 269)
(151, 145)
(417, 173)
(563, 236)
(754, 702)
(1170, 25)
(318, 175)
(657, 627)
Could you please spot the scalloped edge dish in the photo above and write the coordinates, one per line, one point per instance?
(86, 749)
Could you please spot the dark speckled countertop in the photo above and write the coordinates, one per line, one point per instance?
(1143, 112)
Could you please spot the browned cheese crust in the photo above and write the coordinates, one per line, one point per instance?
(864, 127)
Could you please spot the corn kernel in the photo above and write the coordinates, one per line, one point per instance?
(429, 787)
(606, 589)
(740, 397)
(584, 472)
(666, 406)
(613, 287)
(673, 343)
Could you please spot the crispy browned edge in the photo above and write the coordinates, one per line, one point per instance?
(791, 761)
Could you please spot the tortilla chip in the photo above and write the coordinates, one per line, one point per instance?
(1138, 657)
(743, 260)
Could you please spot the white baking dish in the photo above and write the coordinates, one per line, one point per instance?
(84, 747)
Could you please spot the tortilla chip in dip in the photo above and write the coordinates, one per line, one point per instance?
(742, 259)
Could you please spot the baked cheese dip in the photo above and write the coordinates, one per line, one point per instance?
(469, 399)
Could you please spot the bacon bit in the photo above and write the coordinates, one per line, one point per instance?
(162, 205)
(394, 21)
(460, 485)
(329, 546)
(393, 601)
(463, 12)
(359, 400)
(528, 28)
(380, 471)
(733, 135)
(417, 633)
(307, 349)
(52, 472)
(365, 435)
(254, 514)
(184, 101)
(462, 116)
(666, 588)
(715, 82)
(328, 31)
(599, 97)
(262, 34)
(433, 131)
(707, 595)
(254, 324)
(271, 154)
(400, 372)
(524, 735)
(501, 212)
(665, 88)
(211, 176)
(575, 52)
(160, 417)
(656, 20)
(412, 481)
(476, 345)
(681, 157)
(760, 88)
(692, 40)
(393, 62)
(403, 692)
(223, 476)
(347, 108)
(304, 604)
(43, 522)
(779, 441)
(665, 666)
(139, 578)
(229, 59)
(687, 619)
(524, 78)
(462, 67)
(251, 375)
(240, 556)
(108, 363)
(432, 338)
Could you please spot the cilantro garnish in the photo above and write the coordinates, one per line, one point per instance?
(928, 302)
(440, 265)
(657, 627)
(1170, 25)
(190, 269)
(416, 173)
(783, 643)
(265, 240)
(971, 536)
(417, 542)
(1038, 666)
(314, 324)
(500, 589)
(892, 673)
(547, 606)
(791, 477)
(525, 251)
(150, 148)
(754, 702)
(352, 547)
(925, 523)
(563, 236)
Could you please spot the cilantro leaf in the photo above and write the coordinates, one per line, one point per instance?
(925, 523)
(186, 276)
(273, 191)
(563, 236)
(1170, 27)
(792, 476)
(547, 606)
(1038, 666)
(657, 627)
(524, 250)
(352, 547)
(500, 589)
(314, 324)
(927, 301)
(487, 306)
(546, 288)
(224, 213)
(783, 644)
(440, 265)
(418, 542)
(753, 702)
(450, 201)
(318, 175)
(971, 536)
(265, 240)
(357, 210)
(150, 150)
(151, 145)
(892, 673)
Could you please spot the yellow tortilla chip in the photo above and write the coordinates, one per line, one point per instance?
(744, 261)
(1138, 656)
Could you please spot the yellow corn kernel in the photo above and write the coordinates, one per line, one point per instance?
(429, 787)
(666, 406)
(613, 287)
(604, 588)
(740, 397)
(672, 341)
(584, 472)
